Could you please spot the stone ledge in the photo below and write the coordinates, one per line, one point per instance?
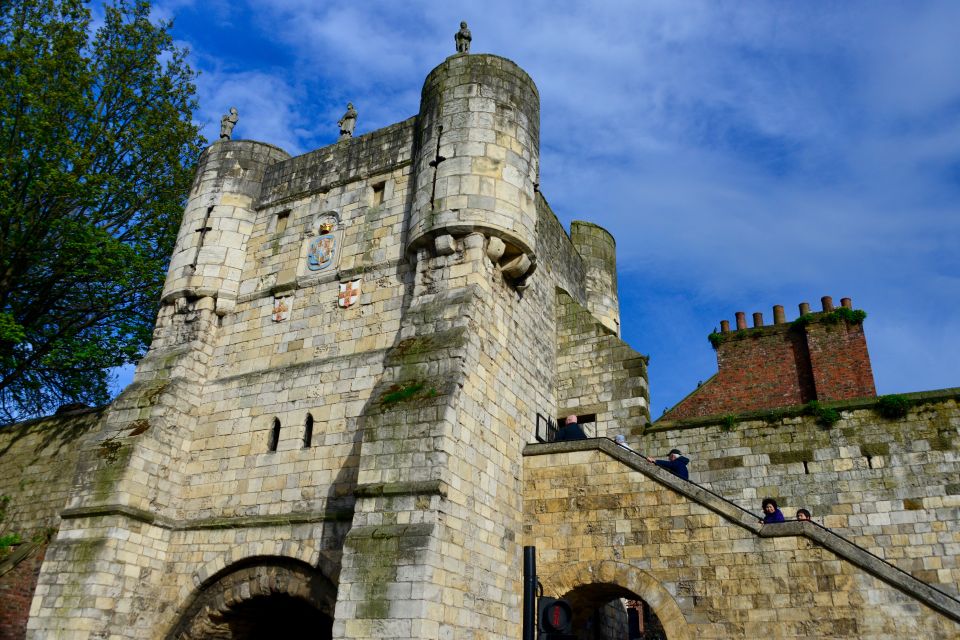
(239, 522)
(881, 569)
(413, 487)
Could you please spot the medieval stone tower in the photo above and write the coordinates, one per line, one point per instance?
(352, 351)
(336, 427)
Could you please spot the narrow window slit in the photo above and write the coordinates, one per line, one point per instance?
(308, 432)
(274, 435)
(806, 469)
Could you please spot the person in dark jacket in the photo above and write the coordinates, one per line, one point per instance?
(571, 430)
(675, 464)
(771, 512)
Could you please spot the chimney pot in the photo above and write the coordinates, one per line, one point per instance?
(827, 303)
(724, 326)
(846, 303)
(741, 320)
(757, 319)
(778, 316)
(804, 308)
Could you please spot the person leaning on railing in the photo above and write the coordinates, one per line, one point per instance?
(676, 464)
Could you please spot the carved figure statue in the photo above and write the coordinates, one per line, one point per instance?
(463, 38)
(227, 123)
(347, 122)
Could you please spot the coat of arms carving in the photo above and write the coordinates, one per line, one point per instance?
(322, 249)
(281, 308)
(349, 293)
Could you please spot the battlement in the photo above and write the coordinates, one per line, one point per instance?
(819, 356)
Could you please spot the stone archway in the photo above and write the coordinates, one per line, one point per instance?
(260, 598)
(604, 611)
(591, 585)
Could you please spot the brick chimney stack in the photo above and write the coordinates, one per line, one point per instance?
(821, 356)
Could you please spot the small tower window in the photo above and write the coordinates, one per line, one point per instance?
(378, 193)
(308, 432)
(282, 219)
(274, 435)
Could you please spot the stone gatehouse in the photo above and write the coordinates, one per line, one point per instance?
(336, 428)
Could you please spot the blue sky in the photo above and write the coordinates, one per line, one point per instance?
(744, 154)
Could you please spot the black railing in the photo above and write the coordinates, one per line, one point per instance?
(546, 429)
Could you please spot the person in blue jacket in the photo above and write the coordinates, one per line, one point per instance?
(571, 430)
(771, 512)
(676, 464)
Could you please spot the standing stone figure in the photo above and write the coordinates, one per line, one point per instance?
(347, 122)
(463, 38)
(227, 123)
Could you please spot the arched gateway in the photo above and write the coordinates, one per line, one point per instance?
(590, 587)
(260, 598)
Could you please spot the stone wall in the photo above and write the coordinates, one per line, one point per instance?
(598, 521)
(38, 459)
(889, 485)
(597, 372)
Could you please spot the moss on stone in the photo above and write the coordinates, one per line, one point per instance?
(875, 449)
(114, 455)
(788, 457)
(408, 392)
(912, 504)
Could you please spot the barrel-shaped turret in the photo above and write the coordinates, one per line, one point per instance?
(478, 154)
(209, 255)
(599, 252)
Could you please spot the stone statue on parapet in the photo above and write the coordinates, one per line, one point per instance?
(463, 38)
(227, 123)
(347, 122)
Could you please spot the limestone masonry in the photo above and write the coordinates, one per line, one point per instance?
(336, 427)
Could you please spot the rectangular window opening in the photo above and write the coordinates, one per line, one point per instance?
(378, 190)
(587, 421)
(282, 219)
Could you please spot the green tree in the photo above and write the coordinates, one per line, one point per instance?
(96, 145)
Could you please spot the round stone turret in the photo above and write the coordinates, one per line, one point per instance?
(599, 252)
(211, 246)
(478, 155)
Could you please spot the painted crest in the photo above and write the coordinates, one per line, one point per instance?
(349, 293)
(281, 308)
(321, 252)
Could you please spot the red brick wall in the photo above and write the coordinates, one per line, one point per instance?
(841, 364)
(16, 592)
(780, 366)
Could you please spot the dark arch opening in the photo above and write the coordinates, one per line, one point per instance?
(308, 431)
(261, 597)
(274, 435)
(605, 611)
(274, 616)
